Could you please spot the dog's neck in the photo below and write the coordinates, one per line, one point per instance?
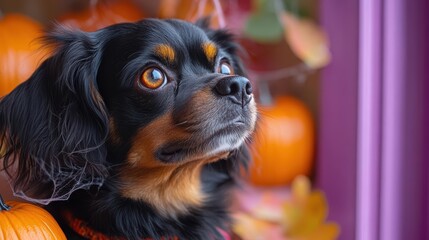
(109, 212)
(170, 189)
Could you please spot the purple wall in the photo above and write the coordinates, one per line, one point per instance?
(336, 170)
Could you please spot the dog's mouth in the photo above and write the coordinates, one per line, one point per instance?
(172, 152)
(223, 140)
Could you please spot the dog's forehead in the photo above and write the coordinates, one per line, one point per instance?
(170, 37)
(174, 32)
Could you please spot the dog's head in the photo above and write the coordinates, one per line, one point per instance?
(151, 101)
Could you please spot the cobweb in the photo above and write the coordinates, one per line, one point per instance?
(61, 182)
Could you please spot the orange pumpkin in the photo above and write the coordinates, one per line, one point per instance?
(20, 50)
(103, 14)
(283, 145)
(27, 221)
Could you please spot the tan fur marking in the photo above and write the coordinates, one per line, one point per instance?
(113, 131)
(210, 50)
(165, 51)
(170, 188)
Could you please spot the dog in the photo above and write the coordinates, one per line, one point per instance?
(141, 129)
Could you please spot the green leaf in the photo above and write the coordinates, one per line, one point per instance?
(294, 7)
(264, 27)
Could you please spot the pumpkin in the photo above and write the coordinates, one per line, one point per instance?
(20, 50)
(102, 14)
(26, 221)
(283, 145)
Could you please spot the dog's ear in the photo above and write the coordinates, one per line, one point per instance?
(53, 126)
(227, 41)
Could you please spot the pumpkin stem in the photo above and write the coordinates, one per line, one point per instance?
(3, 205)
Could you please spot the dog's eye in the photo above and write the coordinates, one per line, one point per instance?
(153, 78)
(226, 69)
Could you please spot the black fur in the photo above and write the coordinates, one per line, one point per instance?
(57, 122)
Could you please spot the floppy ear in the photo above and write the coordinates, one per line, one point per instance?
(54, 125)
(227, 41)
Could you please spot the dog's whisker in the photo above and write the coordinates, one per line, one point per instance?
(181, 123)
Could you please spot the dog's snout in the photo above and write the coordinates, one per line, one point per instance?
(237, 88)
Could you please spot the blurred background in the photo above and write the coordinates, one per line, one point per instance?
(343, 90)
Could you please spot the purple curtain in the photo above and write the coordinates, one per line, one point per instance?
(374, 134)
(392, 159)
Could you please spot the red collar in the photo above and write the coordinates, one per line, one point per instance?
(82, 228)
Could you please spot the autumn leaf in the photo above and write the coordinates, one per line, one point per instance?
(300, 215)
(307, 40)
(251, 228)
(305, 213)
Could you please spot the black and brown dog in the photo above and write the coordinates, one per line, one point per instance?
(144, 122)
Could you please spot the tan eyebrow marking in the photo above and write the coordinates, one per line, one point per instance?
(165, 51)
(210, 50)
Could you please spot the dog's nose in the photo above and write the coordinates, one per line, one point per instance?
(237, 88)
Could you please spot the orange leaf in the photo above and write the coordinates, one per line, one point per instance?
(307, 40)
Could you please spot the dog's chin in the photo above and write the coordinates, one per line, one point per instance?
(219, 142)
